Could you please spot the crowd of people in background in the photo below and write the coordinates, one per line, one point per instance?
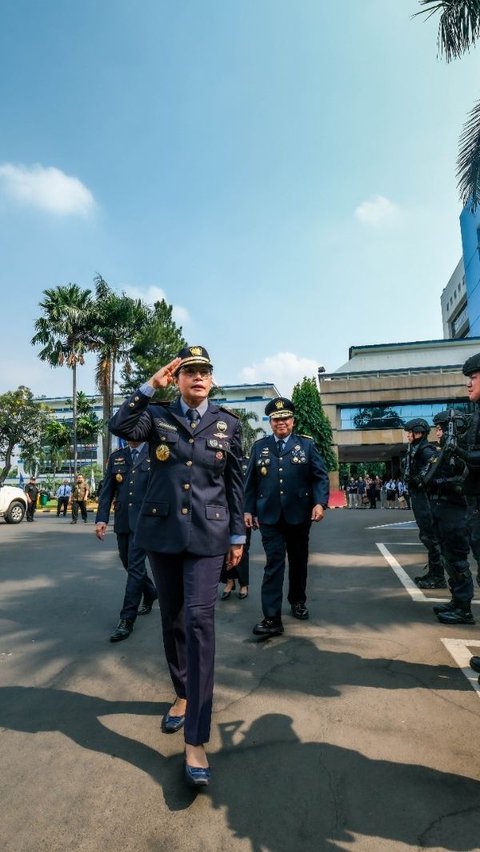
(366, 492)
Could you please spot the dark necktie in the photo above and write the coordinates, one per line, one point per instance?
(280, 445)
(134, 456)
(193, 417)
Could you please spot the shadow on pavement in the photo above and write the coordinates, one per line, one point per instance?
(281, 794)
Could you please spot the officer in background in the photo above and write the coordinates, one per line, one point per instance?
(419, 454)
(79, 499)
(443, 483)
(125, 484)
(286, 489)
(32, 491)
(64, 492)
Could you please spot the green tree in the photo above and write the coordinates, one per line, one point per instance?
(458, 31)
(117, 321)
(310, 419)
(57, 438)
(65, 333)
(249, 433)
(22, 423)
(156, 343)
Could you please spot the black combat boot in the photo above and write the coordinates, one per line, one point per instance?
(461, 614)
(432, 581)
(445, 607)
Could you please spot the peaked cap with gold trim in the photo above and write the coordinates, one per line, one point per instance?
(193, 355)
(280, 407)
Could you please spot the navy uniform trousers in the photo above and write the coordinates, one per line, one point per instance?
(279, 540)
(138, 581)
(187, 590)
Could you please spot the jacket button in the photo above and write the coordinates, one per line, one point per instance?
(280, 469)
(186, 487)
(131, 405)
(281, 492)
(281, 480)
(136, 398)
(189, 463)
(190, 440)
(184, 511)
(154, 511)
(130, 504)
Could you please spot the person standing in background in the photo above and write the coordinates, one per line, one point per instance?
(63, 496)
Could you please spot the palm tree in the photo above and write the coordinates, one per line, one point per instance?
(249, 433)
(65, 332)
(117, 322)
(458, 31)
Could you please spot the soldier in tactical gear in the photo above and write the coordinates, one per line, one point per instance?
(468, 449)
(417, 462)
(443, 483)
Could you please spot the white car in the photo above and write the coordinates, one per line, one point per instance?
(13, 504)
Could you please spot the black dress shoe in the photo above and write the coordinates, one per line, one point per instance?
(456, 616)
(172, 724)
(146, 607)
(269, 627)
(122, 630)
(475, 664)
(226, 594)
(300, 611)
(196, 776)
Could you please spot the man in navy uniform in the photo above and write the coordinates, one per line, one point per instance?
(125, 484)
(286, 489)
(190, 521)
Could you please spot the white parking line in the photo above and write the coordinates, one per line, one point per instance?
(459, 649)
(409, 525)
(415, 593)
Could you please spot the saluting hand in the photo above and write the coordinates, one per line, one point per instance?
(165, 375)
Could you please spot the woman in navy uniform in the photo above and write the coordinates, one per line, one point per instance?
(191, 517)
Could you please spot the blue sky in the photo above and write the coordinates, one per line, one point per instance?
(282, 172)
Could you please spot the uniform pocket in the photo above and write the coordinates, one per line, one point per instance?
(216, 513)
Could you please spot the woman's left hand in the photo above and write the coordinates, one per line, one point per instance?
(234, 555)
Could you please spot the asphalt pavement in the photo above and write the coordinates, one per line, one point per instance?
(357, 729)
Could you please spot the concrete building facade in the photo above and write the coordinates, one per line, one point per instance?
(369, 399)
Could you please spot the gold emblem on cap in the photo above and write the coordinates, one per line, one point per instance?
(162, 452)
(279, 403)
(195, 350)
(119, 477)
(219, 455)
(221, 426)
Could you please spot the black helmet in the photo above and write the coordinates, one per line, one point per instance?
(443, 417)
(417, 424)
(472, 365)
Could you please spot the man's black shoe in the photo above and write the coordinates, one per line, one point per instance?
(269, 627)
(475, 664)
(146, 607)
(122, 630)
(300, 611)
(444, 607)
(456, 616)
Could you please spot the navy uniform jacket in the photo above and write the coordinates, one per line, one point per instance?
(292, 484)
(124, 485)
(194, 499)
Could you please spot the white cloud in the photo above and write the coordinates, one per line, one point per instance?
(377, 210)
(46, 188)
(284, 369)
(153, 294)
